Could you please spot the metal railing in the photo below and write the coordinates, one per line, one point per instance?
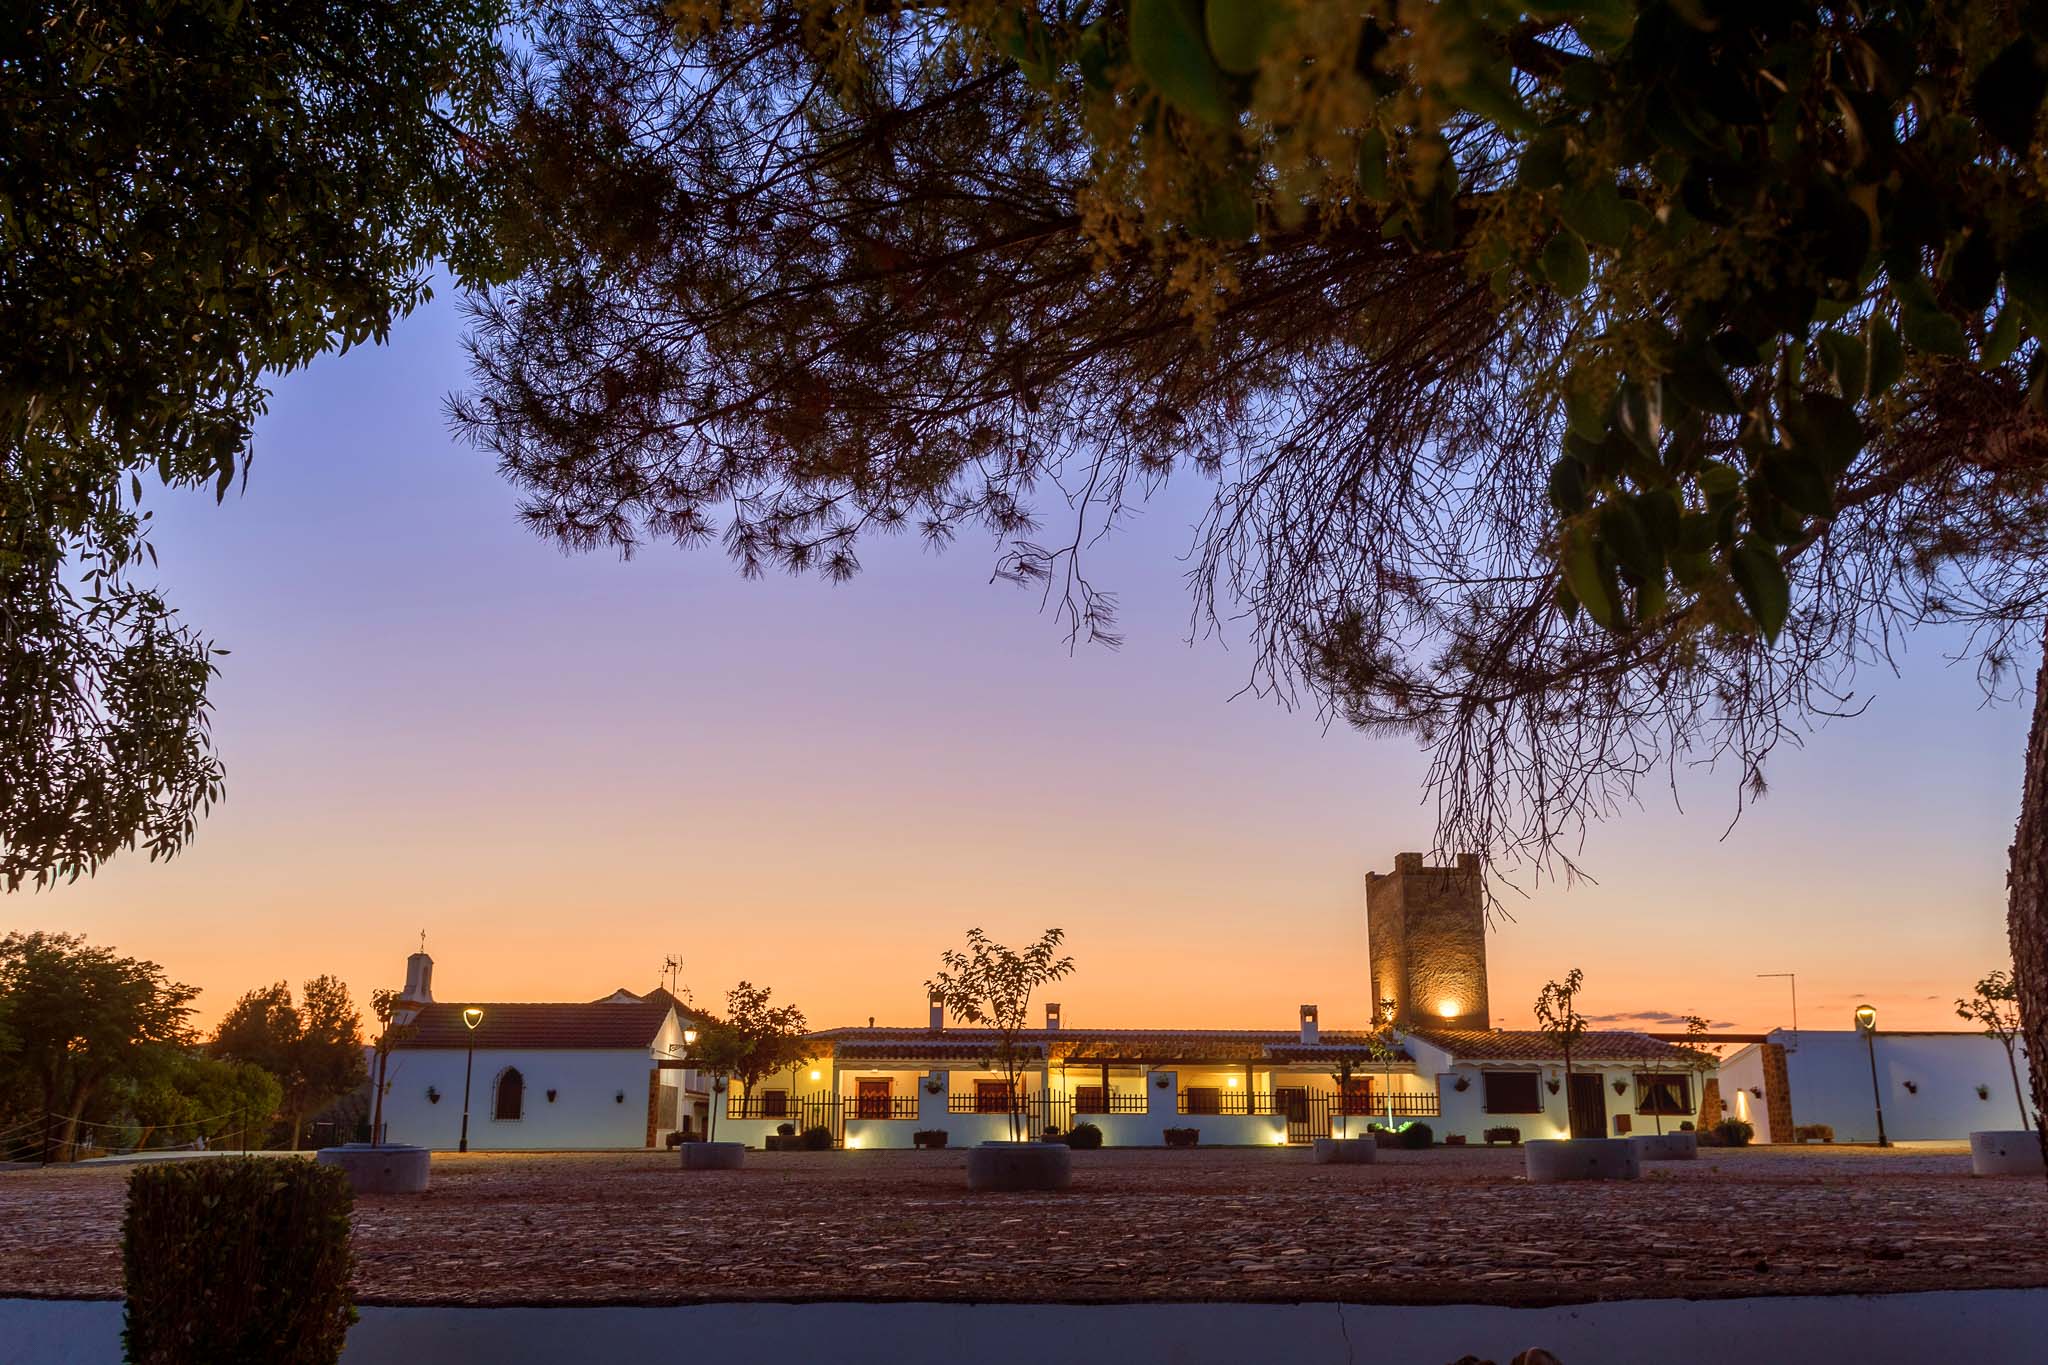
(1088, 1100)
(880, 1106)
(1202, 1101)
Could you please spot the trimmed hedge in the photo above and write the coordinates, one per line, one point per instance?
(817, 1138)
(237, 1261)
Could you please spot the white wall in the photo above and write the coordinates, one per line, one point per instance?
(584, 1113)
(1830, 1074)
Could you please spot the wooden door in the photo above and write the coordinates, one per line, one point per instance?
(872, 1099)
(1588, 1105)
(992, 1097)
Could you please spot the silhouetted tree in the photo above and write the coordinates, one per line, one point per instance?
(1994, 1007)
(196, 196)
(770, 1037)
(990, 985)
(1557, 1015)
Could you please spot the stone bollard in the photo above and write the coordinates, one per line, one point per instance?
(379, 1168)
(713, 1156)
(1020, 1166)
(1666, 1146)
(1359, 1151)
(2010, 1151)
(1554, 1159)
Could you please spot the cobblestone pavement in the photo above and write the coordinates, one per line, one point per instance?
(1222, 1224)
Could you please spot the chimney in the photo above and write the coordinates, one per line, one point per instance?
(938, 1013)
(1052, 1017)
(1311, 1032)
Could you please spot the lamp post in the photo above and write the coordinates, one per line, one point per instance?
(1866, 1024)
(471, 1017)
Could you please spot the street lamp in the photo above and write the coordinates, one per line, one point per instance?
(689, 1037)
(1866, 1024)
(471, 1017)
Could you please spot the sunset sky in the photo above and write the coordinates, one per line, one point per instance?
(565, 769)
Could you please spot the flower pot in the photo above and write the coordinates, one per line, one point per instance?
(713, 1156)
(379, 1168)
(1359, 1151)
(1666, 1146)
(1020, 1166)
(2010, 1151)
(1550, 1160)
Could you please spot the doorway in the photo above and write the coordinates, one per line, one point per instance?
(1588, 1105)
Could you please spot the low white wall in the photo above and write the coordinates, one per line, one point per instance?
(1830, 1075)
(585, 1112)
(1985, 1327)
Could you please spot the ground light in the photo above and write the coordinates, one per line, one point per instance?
(1448, 1009)
(471, 1017)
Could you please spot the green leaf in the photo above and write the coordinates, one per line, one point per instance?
(1568, 486)
(1169, 47)
(1760, 582)
(1372, 166)
(1226, 213)
(1586, 579)
(1542, 165)
(2004, 338)
(1598, 213)
(1240, 32)
(1705, 386)
(1931, 330)
(1798, 478)
(1847, 361)
(1490, 92)
(2026, 271)
(1623, 533)
(1565, 265)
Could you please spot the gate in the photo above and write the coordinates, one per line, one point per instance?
(1308, 1116)
(822, 1111)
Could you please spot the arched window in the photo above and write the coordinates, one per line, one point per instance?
(511, 1095)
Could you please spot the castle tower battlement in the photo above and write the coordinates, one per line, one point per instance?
(1426, 930)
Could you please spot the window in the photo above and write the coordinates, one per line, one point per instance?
(1512, 1092)
(991, 1097)
(510, 1096)
(774, 1104)
(1088, 1100)
(871, 1099)
(1357, 1096)
(1203, 1099)
(1663, 1092)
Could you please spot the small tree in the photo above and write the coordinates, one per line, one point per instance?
(1557, 1014)
(1343, 1067)
(1996, 1006)
(384, 1004)
(721, 1050)
(1384, 1045)
(991, 985)
(769, 1037)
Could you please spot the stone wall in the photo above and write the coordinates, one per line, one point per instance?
(1777, 1093)
(1426, 931)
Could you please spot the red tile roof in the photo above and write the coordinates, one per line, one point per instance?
(1083, 1045)
(1528, 1045)
(624, 1025)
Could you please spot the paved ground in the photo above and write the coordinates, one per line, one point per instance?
(1442, 1225)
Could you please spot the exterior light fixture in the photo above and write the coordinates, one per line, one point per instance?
(471, 1017)
(689, 1037)
(817, 1075)
(1231, 1082)
(1448, 1009)
(1866, 1024)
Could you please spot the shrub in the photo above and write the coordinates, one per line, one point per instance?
(1813, 1132)
(1685, 1127)
(237, 1261)
(1183, 1137)
(1084, 1137)
(785, 1129)
(818, 1139)
(1511, 1136)
(1728, 1133)
(1416, 1136)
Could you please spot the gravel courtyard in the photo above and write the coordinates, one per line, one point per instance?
(1442, 1225)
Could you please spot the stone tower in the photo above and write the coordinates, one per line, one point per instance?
(1426, 929)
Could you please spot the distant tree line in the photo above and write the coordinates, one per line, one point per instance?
(98, 1052)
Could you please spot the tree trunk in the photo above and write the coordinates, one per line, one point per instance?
(298, 1127)
(2027, 910)
(2017, 1093)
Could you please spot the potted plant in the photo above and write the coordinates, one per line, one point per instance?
(990, 985)
(1511, 1136)
(785, 1139)
(1554, 1159)
(720, 1050)
(1344, 1149)
(932, 1138)
(1183, 1137)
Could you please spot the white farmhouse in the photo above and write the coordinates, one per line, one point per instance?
(606, 1074)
